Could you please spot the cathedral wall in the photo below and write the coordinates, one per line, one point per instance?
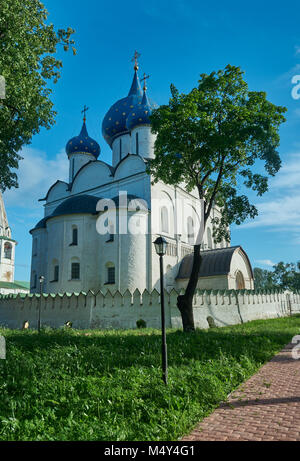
(104, 310)
(92, 176)
(142, 141)
(120, 148)
(77, 161)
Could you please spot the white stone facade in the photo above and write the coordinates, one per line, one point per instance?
(107, 310)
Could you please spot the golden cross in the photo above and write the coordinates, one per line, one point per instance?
(144, 80)
(135, 60)
(84, 111)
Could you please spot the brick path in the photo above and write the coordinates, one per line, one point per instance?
(266, 407)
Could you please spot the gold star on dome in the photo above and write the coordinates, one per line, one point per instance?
(124, 113)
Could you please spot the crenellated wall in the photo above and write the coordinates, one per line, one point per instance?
(120, 311)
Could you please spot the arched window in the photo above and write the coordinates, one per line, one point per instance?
(209, 239)
(137, 143)
(111, 234)
(239, 281)
(74, 236)
(55, 270)
(7, 250)
(110, 274)
(120, 149)
(75, 271)
(190, 231)
(164, 220)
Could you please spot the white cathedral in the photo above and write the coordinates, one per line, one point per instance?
(72, 251)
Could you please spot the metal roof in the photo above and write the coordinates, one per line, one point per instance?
(214, 262)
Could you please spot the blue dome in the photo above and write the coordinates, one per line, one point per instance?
(114, 122)
(140, 115)
(83, 144)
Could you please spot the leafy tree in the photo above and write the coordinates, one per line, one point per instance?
(264, 279)
(211, 139)
(287, 276)
(28, 62)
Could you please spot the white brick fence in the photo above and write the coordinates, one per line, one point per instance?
(106, 310)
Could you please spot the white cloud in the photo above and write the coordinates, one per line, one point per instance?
(281, 213)
(265, 262)
(36, 174)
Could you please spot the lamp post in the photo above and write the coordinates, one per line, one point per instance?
(42, 278)
(161, 247)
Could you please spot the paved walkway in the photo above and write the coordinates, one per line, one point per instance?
(266, 407)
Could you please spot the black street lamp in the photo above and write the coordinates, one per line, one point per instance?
(42, 278)
(161, 248)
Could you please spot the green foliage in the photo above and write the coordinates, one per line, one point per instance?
(212, 138)
(263, 279)
(28, 62)
(285, 276)
(107, 385)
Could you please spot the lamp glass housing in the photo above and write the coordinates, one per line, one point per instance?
(160, 246)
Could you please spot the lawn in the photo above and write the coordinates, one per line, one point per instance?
(106, 385)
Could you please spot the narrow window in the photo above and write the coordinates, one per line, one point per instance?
(34, 280)
(164, 220)
(137, 143)
(111, 275)
(74, 236)
(7, 250)
(111, 235)
(75, 271)
(56, 273)
(120, 149)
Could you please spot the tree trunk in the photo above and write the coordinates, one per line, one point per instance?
(185, 302)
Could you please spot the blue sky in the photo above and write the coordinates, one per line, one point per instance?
(178, 40)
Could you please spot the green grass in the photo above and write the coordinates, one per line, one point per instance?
(67, 385)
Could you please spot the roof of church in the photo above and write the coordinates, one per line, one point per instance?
(74, 205)
(80, 204)
(115, 121)
(214, 262)
(83, 144)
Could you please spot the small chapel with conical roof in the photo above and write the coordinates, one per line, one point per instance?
(99, 226)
